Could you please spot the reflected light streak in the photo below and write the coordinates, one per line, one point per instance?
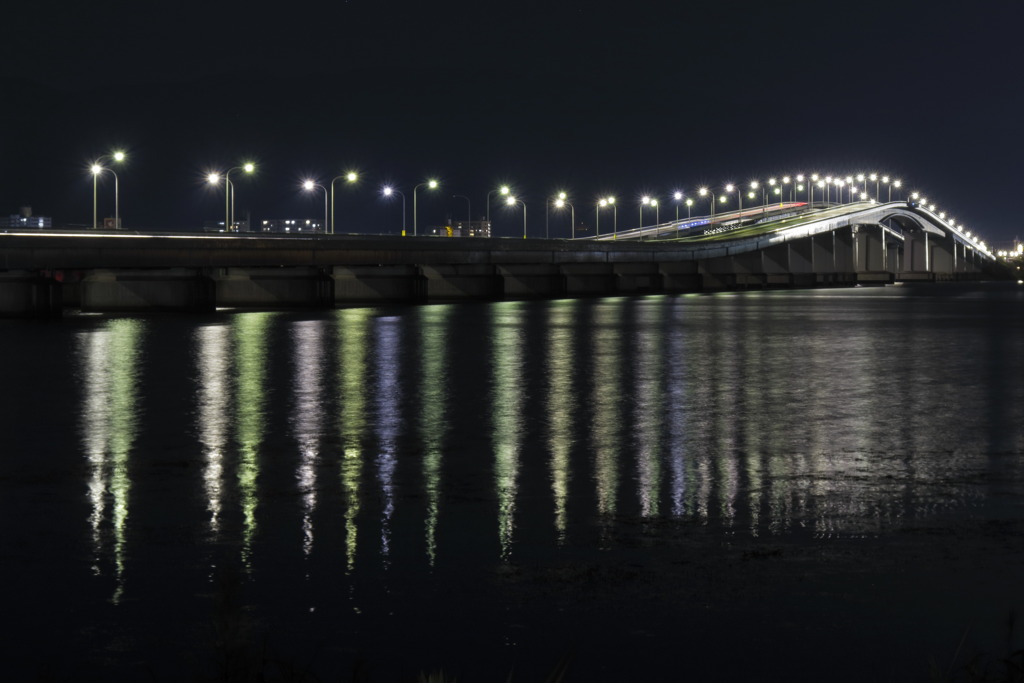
(507, 359)
(561, 404)
(213, 399)
(250, 332)
(308, 336)
(677, 408)
(388, 341)
(607, 444)
(353, 330)
(110, 357)
(434, 321)
(649, 353)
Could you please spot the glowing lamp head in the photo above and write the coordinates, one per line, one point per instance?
(678, 196)
(611, 200)
(645, 200)
(873, 176)
(118, 156)
(897, 183)
(249, 167)
(387, 191)
(703, 192)
(432, 184)
(860, 177)
(785, 179)
(602, 203)
(771, 181)
(689, 202)
(213, 178)
(351, 176)
(654, 202)
(308, 185)
(504, 189)
(730, 187)
(562, 196)
(96, 169)
(800, 178)
(559, 203)
(511, 201)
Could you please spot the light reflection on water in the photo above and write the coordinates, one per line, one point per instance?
(774, 411)
(428, 440)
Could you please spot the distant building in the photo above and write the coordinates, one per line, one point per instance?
(25, 220)
(294, 225)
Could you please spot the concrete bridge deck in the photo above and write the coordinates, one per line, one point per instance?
(43, 273)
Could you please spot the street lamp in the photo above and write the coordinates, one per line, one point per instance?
(387, 192)
(601, 204)
(469, 210)
(644, 201)
(897, 184)
(678, 196)
(97, 168)
(705, 192)
(512, 201)
(350, 178)
(432, 184)
(309, 186)
(562, 202)
(229, 194)
(504, 190)
(547, 206)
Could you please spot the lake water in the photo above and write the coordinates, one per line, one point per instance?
(779, 484)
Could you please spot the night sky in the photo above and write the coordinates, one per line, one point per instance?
(593, 98)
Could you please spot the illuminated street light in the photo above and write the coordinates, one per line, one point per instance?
(96, 168)
(562, 202)
(604, 203)
(547, 206)
(229, 195)
(309, 186)
(431, 184)
(897, 184)
(705, 192)
(387, 191)
(350, 178)
(678, 196)
(503, 190)
(512, 201)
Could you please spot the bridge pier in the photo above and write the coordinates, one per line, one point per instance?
(171, 289)
(27, 294)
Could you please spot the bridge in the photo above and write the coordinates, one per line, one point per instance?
(784, 245)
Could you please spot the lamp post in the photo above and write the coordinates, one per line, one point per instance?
(387, 192)
(503, 190)
(800, 180)
(349, 177)
(469, 210)
(432, 184)
(96, 168)
(689, 207)
(601, 204)
(644, 201)
(705, 192)
(547, 206)
(678, 196)
(563, 202)
(512, 201)
(229, 195)
(897, 184)
(309, 186)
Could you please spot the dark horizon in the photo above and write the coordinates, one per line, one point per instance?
(585, 100)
